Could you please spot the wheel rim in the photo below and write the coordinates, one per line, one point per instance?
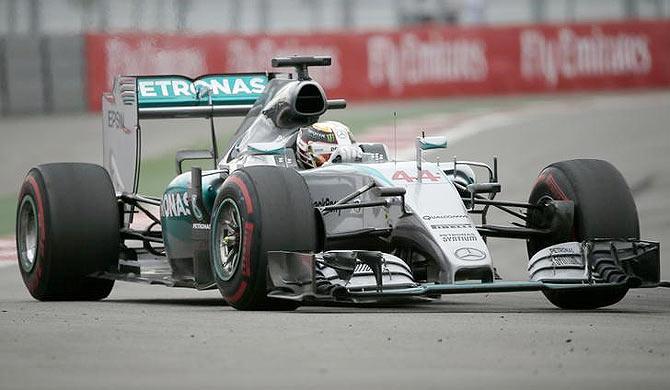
(27, 234)
(228, 239)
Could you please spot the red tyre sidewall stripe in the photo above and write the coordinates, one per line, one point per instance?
(554, 188)
(40, 213)
(34, 282)
(245, 193)
(246, 262)
(558, 194)
(246, 247)
(247, 243)
(238, 294)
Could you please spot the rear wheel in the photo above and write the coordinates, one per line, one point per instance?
(67, 227)
(604, 208)
(258, 209)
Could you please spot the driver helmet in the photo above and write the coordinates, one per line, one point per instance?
(317, 142)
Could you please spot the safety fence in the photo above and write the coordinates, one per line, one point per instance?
(430, 61)
(42, 74)
(69, 73)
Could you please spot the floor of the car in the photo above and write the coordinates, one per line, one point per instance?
(150, 271)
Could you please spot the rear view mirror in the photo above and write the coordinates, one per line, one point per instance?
(436, 142)
(428, 143)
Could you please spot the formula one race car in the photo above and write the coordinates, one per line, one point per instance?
(270, 235)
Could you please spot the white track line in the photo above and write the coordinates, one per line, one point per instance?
(455, 128)
(495, 120)
(7, 252)
(460, 127)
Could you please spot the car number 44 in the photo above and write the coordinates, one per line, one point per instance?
(424, 175)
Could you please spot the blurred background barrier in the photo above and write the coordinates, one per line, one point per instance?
(425, 61)
(301, 16)
(66, 68)
(24, 75)
(42, 74)
(59, 55)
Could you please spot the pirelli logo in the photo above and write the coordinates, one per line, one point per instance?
(443, 226)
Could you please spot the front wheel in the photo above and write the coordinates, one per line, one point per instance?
(604, 208)
(258, 209)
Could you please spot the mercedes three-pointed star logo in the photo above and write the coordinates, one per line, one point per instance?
(470, 254)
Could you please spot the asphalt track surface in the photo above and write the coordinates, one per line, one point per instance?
(156, 337)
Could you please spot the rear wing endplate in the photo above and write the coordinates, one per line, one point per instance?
(164, 97)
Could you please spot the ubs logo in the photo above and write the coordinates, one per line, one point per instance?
(470, 254)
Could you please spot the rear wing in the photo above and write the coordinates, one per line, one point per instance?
(163, 97)
(177, 96)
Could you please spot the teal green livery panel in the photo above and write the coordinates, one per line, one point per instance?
(233, 89)
(175, 212)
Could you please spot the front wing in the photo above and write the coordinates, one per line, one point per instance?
(300, 277)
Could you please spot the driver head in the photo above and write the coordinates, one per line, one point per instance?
(317, 142)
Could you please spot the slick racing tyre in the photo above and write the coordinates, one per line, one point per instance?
(604, 208)
(258, 209)
(67, 227)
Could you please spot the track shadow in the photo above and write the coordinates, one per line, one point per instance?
(173, 301)
(434, 307)
(447, 307)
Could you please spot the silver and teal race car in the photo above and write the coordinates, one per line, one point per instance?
(270, 235)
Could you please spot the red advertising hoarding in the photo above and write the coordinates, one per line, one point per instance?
(428, 61)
